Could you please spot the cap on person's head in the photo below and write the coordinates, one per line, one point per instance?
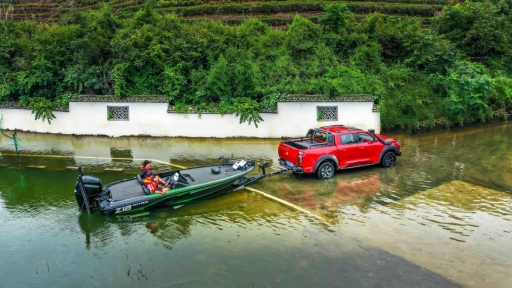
(146, 162)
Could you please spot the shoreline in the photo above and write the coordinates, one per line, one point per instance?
(494, 122)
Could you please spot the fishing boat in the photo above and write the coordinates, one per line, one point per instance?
(187, 185)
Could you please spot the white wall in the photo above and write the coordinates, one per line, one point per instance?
(298, 117)
(90, 118)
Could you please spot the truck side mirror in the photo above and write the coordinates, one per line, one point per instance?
(371, 130)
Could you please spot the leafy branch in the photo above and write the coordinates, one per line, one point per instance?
(43, 108)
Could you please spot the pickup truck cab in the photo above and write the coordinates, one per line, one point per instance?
(327, 149)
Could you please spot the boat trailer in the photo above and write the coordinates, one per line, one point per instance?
(246, 181)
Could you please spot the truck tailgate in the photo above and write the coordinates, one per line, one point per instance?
(288, 153)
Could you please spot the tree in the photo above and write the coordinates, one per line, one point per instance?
(336, 16)
(301, 36)
(480, 29)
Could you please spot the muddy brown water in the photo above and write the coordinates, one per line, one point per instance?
(441, 217)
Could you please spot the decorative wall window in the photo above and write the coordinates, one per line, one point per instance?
(118, 113)
(327, 113)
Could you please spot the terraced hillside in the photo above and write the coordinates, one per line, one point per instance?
(455, 72)
(274, 12)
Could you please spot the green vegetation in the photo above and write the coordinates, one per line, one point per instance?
(110, 114)
(457, 70)
(35, 9)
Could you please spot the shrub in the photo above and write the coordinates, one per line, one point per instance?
(466, 89)
(335, 16)
(480, 29)
(420, 76)
(302, 36)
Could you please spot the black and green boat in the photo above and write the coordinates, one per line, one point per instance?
(131, 195)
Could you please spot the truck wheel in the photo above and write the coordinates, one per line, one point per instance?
(325, 171)
(388, 160)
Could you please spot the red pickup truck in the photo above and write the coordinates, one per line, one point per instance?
(327, 149)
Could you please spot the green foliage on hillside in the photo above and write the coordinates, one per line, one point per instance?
(458, 70)
(43, 11)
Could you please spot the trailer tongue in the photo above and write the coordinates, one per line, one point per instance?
(244, 182)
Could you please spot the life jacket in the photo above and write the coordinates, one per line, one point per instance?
(144, 172)
(151, 186)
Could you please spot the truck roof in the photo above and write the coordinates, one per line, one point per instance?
(339, 128)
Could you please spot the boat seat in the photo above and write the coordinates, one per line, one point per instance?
(141, 182)
(144, 188)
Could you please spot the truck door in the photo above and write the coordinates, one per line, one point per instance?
(349, 151)
(369, 148)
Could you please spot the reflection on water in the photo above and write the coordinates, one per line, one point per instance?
(442, 216)
(458, 203)
(169, 225)
(457, 229)
(344, 191)
(116, 154)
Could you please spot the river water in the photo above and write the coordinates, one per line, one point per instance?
(441, 217)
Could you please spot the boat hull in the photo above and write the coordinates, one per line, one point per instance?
(175, 197)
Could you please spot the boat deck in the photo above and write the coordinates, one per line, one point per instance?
(126, 190)
(202, 175)
(195, 176)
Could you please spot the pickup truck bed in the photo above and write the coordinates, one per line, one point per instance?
(305, 144)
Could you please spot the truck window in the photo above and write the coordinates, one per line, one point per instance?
(364, 138)
(320, 135)
(348, 139)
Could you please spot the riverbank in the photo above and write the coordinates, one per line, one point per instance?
(499, 120)
(478, 126)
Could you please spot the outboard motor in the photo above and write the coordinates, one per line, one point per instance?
(87, 189)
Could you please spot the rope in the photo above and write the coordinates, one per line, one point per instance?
(16, 143)
(13, 137)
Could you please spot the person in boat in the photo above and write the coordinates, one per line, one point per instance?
(153, 185)
(145, 170)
